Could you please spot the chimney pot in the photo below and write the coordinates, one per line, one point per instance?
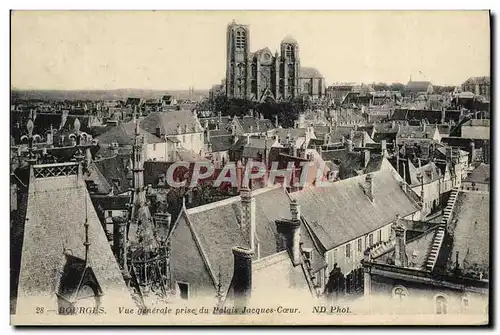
(242, 276)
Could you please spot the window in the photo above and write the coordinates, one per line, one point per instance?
(154, 146)
(399, 293)
(360, 246)
(379, 235)
(348, 250)
(441, 305)
(465, 304)
(110, 214)
(240, 39)
(184, 290)
(289, 51)
(370, 240)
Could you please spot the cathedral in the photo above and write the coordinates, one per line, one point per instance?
(262, 76)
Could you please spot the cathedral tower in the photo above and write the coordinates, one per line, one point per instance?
(290, 68)
(237, 65)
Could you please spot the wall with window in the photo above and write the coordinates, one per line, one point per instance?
(194, 141)
(349, 255)
(158, 151)
(410, 298)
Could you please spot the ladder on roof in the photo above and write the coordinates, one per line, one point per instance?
(438, 238)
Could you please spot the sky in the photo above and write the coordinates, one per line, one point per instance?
(178, 49)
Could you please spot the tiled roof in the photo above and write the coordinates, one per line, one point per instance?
(348, 213)
(57, 208)
(169, 121)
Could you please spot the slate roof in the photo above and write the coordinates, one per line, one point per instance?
(289, 39)
(477, 123)
(417, 86)
(216, 225)
(309, 72)
(124, 134)
(347, 212)
(470, 225)
(250, 124)
(429, 172)
(57, 208)
(168, 121)
(276, 276)
(481, 174)
(221, 143)
(116, 172)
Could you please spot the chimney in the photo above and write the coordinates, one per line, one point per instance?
(369, 186)
(219, 115)
(295, 210)
(350, 145)
(179, 129)
(472, 151)
(366, 158)
(443, 114)
(383, 147)
(120, 241)
(424, 126)
(158, 132)
(248, 216)
(400, 258)
(242, 276)
(276, 124)
(185, 128)
(290, 232)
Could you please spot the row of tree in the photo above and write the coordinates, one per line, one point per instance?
(286, 111)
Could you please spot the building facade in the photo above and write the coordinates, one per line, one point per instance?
(262, 76)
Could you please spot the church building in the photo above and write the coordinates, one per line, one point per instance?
(262, 76)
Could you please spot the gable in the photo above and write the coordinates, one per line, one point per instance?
(186, 263)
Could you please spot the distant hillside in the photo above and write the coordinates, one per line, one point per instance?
(119, 94)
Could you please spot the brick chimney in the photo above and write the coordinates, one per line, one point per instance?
(400, 258)
(242, 276)
(369, 186)
(383, 147)
(443, 114)
(248, 216)
(290, 232)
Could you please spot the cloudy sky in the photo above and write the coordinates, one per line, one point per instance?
(175, 50)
